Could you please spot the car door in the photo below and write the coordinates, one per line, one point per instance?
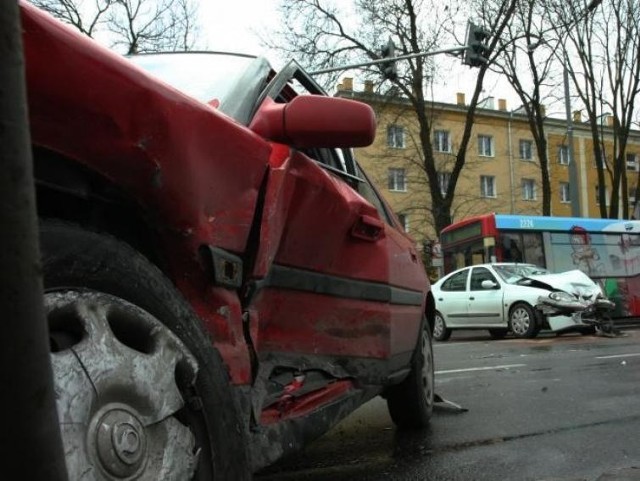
(453, 299)
(336, 287)
(485, 304)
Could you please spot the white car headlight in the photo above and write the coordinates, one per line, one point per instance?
(562, 296)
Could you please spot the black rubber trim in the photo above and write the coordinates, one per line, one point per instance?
(301, 280)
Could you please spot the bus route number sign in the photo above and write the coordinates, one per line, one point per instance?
(526, 223)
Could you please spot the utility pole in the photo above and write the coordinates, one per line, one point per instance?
(574, 191)
(30, 434)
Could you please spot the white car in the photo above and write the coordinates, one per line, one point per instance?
(521, 298)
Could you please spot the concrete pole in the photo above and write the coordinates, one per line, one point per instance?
(574, 188)
(30, 435)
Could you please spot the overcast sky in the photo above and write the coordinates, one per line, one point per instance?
(235, 26)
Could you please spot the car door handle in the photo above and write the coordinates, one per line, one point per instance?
(472, 298)
(440, 299)
(368, 228)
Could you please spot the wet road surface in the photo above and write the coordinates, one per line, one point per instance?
(551, 408)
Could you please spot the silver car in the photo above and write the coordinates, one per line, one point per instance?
(521, 298)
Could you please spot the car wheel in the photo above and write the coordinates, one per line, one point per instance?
(498, 333)
(410, 403)
(522, 321)
(440, 330)
(141, 393)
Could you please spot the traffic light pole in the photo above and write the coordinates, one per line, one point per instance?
(30, 435)
(451, 50)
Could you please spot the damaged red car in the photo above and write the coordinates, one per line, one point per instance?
(222, 281)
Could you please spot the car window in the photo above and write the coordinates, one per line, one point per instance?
(478, 275)
(366, 190)
(457, 282)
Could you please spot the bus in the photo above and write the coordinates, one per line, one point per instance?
(608, 250)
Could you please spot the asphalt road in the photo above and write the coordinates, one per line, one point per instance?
(551, 408)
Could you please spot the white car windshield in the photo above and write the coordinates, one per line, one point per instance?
(513, 273)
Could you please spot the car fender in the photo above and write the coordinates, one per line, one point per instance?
(194, 172)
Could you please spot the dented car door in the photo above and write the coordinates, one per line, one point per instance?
(335, 284)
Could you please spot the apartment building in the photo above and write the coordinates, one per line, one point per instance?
(502, 168)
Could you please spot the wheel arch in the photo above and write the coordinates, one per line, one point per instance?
(537, 315)
(69, 191)
(430, 311)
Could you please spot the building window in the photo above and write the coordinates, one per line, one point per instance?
(529, 189)
(565, 194)
(442, 141)
(526, 150)
(404, 221)
(395, 136)
(443, 182)
(632, 162)
(485, 146)
(563, 155)
(397, 180)
(487, 186)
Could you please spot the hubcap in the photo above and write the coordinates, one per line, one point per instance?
(121, 442)
(520, 321)
(427, 368)
(438, 327)
(117, 392)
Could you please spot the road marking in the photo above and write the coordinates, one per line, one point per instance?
(487, 368)
(618, 355)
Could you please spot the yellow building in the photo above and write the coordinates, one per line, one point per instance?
(502, 169)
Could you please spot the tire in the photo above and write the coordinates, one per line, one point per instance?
(440, 330)
(522, 321)
(410, 403)
(134, 362)
(588, 330)
(498, 333)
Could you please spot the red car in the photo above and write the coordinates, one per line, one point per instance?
(223, 284)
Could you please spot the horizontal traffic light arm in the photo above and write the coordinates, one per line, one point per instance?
(388, 59)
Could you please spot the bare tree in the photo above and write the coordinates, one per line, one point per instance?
(86, 16)
(603, 52)
(527, 57)
(132, 26)
(323, 35)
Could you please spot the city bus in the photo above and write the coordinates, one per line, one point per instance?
(608, 250)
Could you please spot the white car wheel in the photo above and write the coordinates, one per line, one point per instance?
(440, 330)
(522, 321)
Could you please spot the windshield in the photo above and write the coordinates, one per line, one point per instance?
(512, 273)
(232, 83)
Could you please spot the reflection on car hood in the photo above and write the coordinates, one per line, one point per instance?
(573, 282)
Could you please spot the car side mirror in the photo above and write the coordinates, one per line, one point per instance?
(488, 284)
(316, 121)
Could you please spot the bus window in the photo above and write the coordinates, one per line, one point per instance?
(511, 247)
(522, 247)
(533, 248)
(463, 255)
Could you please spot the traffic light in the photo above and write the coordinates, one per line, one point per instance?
(477, 51)
(388, 68)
